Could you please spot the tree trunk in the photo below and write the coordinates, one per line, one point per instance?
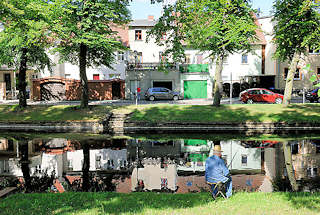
(83, 76)
(289, 166)
(217, 90)
(290, 77)
(85, 167)
(22, 84)
(24, 161)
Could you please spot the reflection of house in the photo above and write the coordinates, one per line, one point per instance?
(306, 158)
(155, 175)
(195, 153)
(100, 159)
(239, 158)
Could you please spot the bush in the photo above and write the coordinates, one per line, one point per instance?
(8, 182)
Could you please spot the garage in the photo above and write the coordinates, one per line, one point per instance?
(166, 84)
(195, 89)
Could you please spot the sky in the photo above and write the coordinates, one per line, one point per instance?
(140, 9)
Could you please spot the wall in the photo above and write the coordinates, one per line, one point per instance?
(98, 90)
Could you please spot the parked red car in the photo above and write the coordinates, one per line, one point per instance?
(260, 95)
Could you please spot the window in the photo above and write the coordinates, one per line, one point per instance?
(120, 56)
(161, 57)
(318, 71)
(296, 75)
(294, 148)
(138, 35)
(244, 59)
(188, 59)
(139, 57)
(96, 77)
(266, 92)
(244, 160)
(163, 36)
(312, 172)
(199, 59)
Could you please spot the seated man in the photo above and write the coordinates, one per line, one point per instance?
(217, 171)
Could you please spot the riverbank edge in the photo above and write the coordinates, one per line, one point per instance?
(54, 127)
(222, 127)
(121, 125)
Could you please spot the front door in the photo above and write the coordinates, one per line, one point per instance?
(116, 92)
(7, 80)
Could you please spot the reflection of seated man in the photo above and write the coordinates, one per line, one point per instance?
(217, 171)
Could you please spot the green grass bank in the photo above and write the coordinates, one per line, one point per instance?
(152, 203)
(300, 113)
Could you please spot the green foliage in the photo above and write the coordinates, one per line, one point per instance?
(25, 27)
(297, 27)
(89, 23)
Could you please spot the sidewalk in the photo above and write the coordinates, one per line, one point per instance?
(132, 102)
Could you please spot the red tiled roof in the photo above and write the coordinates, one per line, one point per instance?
(259, 33)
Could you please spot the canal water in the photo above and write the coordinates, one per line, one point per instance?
(145, 165)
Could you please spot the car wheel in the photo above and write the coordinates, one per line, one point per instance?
(151, 98)
(278, 101)
(311, 100)
(249, 101)
(175, 98)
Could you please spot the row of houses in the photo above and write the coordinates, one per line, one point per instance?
(177, 165)
(140, 67)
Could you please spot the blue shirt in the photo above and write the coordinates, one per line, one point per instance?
(216, 170)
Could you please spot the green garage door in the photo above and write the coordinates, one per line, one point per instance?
(195, 89)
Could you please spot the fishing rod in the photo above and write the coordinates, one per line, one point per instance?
(232, 159)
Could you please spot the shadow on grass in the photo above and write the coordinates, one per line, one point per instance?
(299, 113)
(99, 203)
(304, 200)
(203, 114)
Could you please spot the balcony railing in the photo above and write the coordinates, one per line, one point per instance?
(151, 66)
(194, 68)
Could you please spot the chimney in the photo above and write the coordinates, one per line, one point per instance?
(150, 18)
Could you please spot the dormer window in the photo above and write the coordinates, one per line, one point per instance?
(138, 35)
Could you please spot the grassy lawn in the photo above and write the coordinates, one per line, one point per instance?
(153, 203)
(58, 113)
(227, 113)
(167, 113)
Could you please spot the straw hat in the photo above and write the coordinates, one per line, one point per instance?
(217, 149)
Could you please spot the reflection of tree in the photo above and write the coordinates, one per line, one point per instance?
(85, 167)
(24, 161)
(289, 166)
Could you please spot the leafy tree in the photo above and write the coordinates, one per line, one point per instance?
(24, 39)
(296, 30)
(84, 29)
(219, 27)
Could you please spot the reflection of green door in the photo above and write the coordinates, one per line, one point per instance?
(195, 89)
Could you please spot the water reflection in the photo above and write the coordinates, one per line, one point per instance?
(165, 166)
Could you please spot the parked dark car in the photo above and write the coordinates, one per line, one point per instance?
(161, 93)
(260, 95)
(313, 96)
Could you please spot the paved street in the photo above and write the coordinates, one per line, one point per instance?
(128, 102)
